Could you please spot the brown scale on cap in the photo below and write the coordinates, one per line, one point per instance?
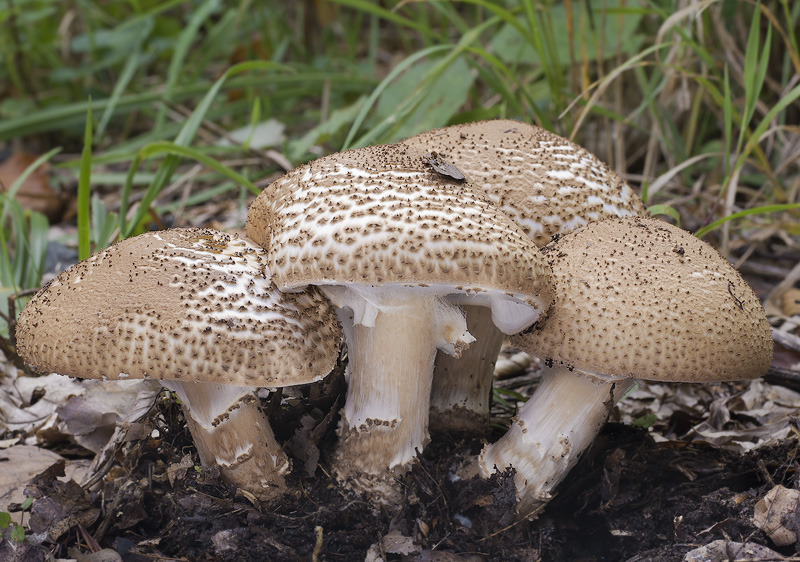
(639, 297)
(187, 305)
(544, 182)
(380, 215)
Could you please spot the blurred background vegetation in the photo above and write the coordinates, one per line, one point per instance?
(117, 117)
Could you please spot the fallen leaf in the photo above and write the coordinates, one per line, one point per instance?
(35, 193)
(725, 551)
(777, 515)
(20, 463)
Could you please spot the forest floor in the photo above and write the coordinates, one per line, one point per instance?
(684, 488)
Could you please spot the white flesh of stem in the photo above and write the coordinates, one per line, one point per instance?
(551, 432)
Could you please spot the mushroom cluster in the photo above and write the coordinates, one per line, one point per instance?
(396, 245)
(422, 256)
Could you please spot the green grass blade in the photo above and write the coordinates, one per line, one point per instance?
(37, 241)
(184, 137)
(751, 64)
(184, 43)
(727, 115)
(379, 89)
(165, 147)
(665, 210)
(755, 138)
(84, 188)
(376, 10)
(128, 71)
(766, 209)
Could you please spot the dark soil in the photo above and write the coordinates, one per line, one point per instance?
(629, 498)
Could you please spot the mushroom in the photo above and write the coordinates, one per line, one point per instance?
(548, 186)
(635, 298)
(395, 244)
(195, 309)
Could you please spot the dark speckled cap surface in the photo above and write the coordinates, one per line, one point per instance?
(545, 183)
(186, 304)
(638, 297)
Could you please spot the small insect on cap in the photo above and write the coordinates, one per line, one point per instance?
(394, 216)
(638, 297)
(191, 305)
(542, 181)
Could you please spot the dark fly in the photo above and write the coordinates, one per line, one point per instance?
(443, 167)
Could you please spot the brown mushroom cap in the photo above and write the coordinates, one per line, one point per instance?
(189, 305)
(638, 297)
(542, 181)
(382, 216)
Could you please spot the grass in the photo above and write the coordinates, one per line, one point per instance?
(696, 106)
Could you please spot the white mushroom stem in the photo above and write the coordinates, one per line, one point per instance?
(552, 430)
(391, 342)
(461, 395)
(230, 431)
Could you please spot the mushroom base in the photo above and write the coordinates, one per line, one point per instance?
(231, 432)
(461, 395)
(385, 419)
(551, 432)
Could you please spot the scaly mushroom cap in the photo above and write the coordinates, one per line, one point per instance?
(189, 305)
(638, 297)
(542, 181)
(383, 215)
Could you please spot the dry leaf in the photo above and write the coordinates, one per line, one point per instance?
(35, 192)
(725, 551)
(777, 515)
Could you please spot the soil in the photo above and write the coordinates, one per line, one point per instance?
(629, 498)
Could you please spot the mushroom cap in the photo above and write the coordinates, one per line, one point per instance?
(545, 183)
(382, 216)
(638, 297)
(191, 305)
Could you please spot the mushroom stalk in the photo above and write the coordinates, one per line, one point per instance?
(390, 360)
(461, 394)
(230, 431)
(551, 432)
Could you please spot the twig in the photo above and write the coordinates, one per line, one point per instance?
(787, 340)
(783, 377)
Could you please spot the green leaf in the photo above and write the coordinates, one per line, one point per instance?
(26, 505)
(18, 533)
(645, 421)
(5, 519)
(185, 41)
